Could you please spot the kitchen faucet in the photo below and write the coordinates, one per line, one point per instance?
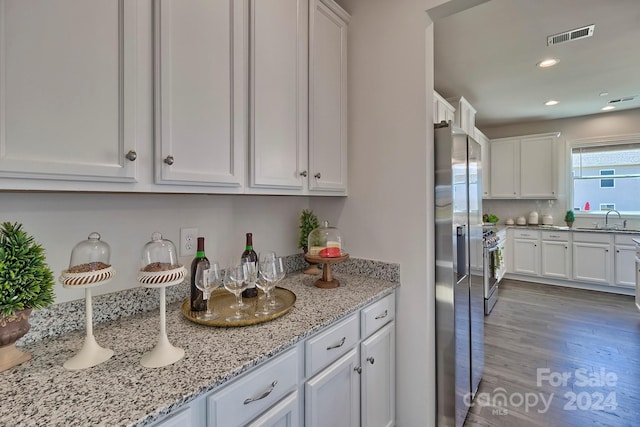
(606, 217)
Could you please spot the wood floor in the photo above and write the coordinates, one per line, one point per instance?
(544, 332)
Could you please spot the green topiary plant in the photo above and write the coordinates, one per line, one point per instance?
(308, 223)
(25, 278)
(570, 216)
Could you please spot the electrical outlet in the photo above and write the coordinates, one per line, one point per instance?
(188, 241)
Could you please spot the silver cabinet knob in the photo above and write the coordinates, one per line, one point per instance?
(169, 160)
(370, 360)
(358, 369)
(303, 173)
(317, 175)
(131, 155)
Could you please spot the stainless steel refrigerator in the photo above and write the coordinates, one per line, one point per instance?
(459, 289)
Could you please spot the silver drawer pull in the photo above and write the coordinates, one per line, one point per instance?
(370, 360)
(553, 235)
(383, 315)
(340, 344)
(263, 395)
(358, 369)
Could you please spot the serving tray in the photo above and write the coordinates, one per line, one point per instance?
(222, 299)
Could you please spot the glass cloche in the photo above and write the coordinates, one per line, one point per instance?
(89, 264)
(159, 263)
(325, 241)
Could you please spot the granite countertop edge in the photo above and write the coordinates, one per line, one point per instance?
(121, 392)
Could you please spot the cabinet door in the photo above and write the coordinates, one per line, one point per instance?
(284, 414)
(332, 398)
(200, 92)
(377, 359)
(180, 419)
(556, 259)
(537, 168)
(525, 257)
(485, 162)
(504, 167)
(56, 122)
(591, 262)
(327, 99)
(278, 97)
(625, 258)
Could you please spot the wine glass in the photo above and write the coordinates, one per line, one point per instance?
(208, 278)
(264, 255)
(268, 274)
(280, 272)
(235, 281)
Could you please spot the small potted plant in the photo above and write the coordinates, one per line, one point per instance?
(26, 283)
(569, 218)
(308, 223)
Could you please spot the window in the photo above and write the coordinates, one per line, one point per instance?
(609, 182)
(605, 175)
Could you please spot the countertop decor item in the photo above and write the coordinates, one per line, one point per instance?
(327, 281)
(160, 269)
(89, 267)
(308, 223)
(26, 283)
(569, 218)
(221, 300)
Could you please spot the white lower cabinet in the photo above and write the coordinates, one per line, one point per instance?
(625, 257)
(377, 358)
(556, 255)
(344, 375)
(332, 398)
(526, 252)
(592, 257)
(284, 414)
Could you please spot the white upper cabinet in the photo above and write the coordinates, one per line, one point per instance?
(442, 110)
(465, 114)
(200, 88)
(524, 167)
(278, 93)
(67, 92)
(327, 98)
(485, 161)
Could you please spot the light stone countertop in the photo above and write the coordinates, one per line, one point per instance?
(122, 392)
(574, 229)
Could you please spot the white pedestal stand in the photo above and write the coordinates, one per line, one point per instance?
(91, 354)
(163, 353)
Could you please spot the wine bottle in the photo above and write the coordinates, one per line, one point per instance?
(251, 291)
(198, 303)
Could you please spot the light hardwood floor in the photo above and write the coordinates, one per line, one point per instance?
(560, 331)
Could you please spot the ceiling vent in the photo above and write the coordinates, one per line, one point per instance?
(569, 36)
(619, 100)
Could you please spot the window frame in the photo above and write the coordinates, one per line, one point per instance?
(593, 142)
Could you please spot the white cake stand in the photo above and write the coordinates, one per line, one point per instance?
(164, 353)
(91, 354)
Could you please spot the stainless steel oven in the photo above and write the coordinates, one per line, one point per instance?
(494, 267)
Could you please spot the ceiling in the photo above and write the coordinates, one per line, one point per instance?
(488, 54)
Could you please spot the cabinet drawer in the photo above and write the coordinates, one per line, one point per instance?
(591, 237)
(525, 234)
(626, 239)
(254, 393)
(377, 315)
(561, 236)
(329, 345)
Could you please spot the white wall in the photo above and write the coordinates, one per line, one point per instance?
(60, 220)
(597, 125)
(389, 212)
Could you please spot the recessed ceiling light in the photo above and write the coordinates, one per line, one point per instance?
(550, 62)
(604, 93)
(551, 102)
(608, 107)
